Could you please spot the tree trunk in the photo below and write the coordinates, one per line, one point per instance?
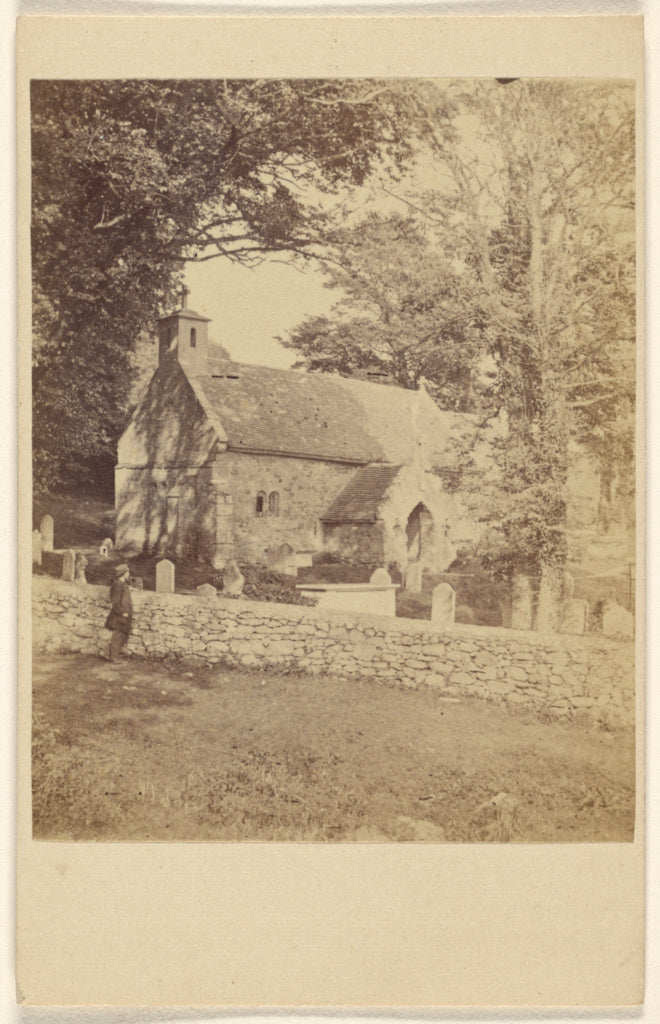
(548, 609)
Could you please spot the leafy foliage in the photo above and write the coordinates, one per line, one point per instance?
(130, 179)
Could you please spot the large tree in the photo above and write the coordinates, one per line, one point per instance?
(531, 196)
(403, 314)
(130, 179)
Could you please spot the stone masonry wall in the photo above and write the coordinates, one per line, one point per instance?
(560, 675)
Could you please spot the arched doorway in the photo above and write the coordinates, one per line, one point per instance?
(419, 539)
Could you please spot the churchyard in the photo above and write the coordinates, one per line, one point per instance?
(172, 746)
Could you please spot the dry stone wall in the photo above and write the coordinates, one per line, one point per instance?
(560, 675)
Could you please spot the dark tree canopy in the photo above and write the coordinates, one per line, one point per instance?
(132, 178)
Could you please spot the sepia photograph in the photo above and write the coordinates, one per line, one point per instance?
(333, 460)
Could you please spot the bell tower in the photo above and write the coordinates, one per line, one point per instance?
(183, 335)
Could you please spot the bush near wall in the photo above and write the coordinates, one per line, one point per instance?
(558, 675)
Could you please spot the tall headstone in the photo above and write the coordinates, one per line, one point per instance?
(233, 579)
(506, 610)
(443, 606)
(206, 591)
(165, 577)
(521, 603)
(47, 529)
(414, 577)
(36, 547)
(380, 577)
(81, 566)
(69, 566)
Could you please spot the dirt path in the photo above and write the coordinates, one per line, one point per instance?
(141, 750)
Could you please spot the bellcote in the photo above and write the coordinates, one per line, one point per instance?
(183, 335)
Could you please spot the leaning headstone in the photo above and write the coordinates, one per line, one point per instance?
(69, 566)
(380, 577)
(206, 591)
(233, 579)
(617, 620)
(81, 565)
(443, 606)
(47, 529)
(165, 577)
(105, 550)
(36, 547)
(575, 617)
(521, 603)
(414, 577)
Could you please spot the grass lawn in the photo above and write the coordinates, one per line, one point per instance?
(150, 751)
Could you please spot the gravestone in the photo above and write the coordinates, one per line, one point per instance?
(283, 559)
(233, 579)
(47, 529)
(105, 550)
(380, 577)
(69, 566)
(165, 577)
(506, 611)
(81, 565)
(575, 617)
(206, 591)
(414, 577)
(443, 606)
(521, 603)
(617, 620)
(36, 547)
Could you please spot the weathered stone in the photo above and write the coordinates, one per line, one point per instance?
(233, 579)
(462, 679)
(81, 566)
(137, 583)
(206, 591)
(515, 672)
(36, 547)
(69, 566)
(283, 559)
(443, 606)
(506, 611)
(521, 603)
(380, 577)
(414, 577)
(575, 617)
(47, 530)
(106, 547)
(617, 621)
(165, 577)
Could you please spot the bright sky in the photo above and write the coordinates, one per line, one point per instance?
(249, 308)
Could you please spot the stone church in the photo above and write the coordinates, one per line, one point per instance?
(223, 460)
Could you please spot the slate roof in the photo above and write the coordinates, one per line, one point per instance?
(268, 410)
(361, 498)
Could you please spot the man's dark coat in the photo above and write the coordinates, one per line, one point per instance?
(121, 612)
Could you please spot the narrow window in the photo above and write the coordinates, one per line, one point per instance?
(193, 337)
(273, 504)
(261, 503)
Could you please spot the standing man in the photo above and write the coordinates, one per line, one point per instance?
(120, 618)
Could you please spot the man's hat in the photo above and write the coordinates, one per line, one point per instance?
(121, 569)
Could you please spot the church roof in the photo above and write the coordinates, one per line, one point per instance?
(262, 409)
(362, 496)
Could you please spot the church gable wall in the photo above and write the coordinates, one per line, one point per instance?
(156, 486)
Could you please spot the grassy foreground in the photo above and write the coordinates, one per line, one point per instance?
(150, 751)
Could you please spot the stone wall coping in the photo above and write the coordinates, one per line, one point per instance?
(354, 588)
(419, 627)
